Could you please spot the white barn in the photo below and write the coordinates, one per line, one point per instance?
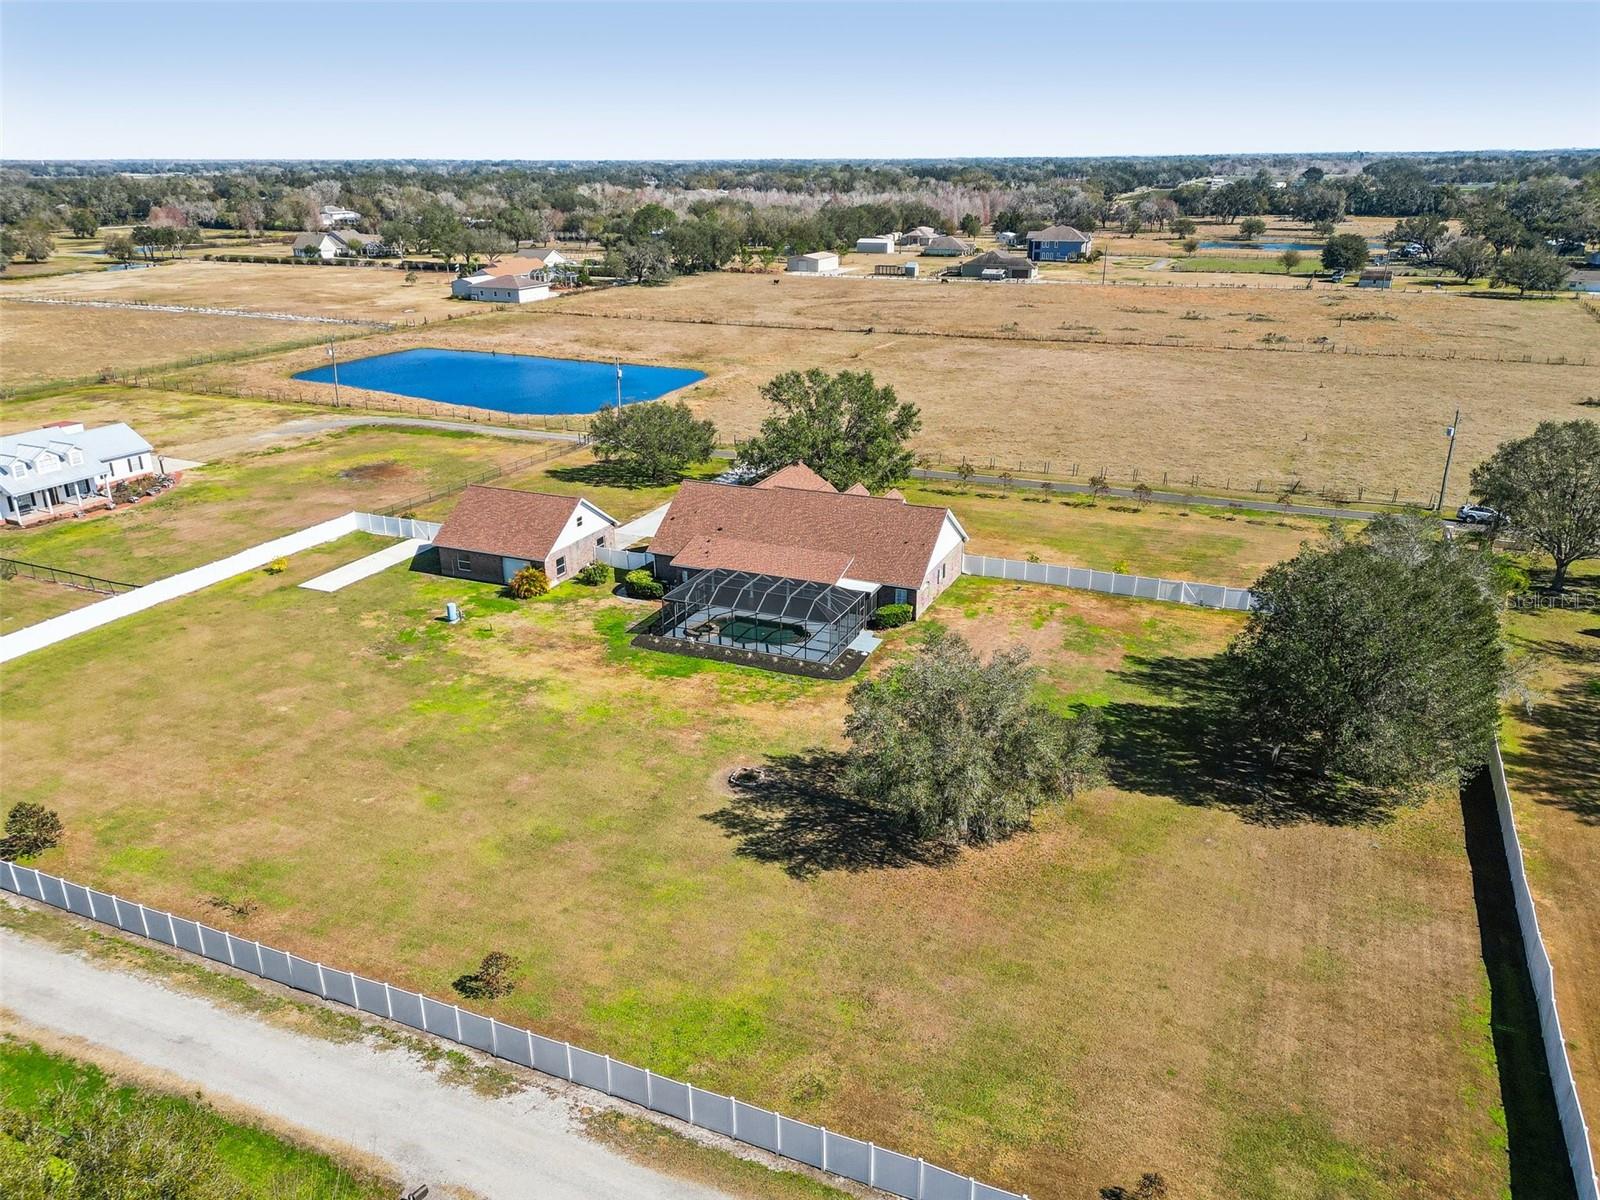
(501, 289)
(882, 244)
(818, 262)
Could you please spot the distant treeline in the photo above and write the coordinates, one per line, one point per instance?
(652, 217)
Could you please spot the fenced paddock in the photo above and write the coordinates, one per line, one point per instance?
(1574, 1129)
(864, 1162)
(1111, 583)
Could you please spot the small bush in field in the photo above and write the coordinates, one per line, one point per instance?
(595, 574)
(30, 829)
(643, 586)
(891, 616)
(528, 583)
(493, 979)
(277, 566)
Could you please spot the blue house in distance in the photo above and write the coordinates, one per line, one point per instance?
(1059, 243)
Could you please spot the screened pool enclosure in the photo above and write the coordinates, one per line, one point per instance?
(767, 614)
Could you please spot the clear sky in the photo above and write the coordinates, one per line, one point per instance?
(789, 80)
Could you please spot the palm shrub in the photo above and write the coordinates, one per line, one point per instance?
(528, 583)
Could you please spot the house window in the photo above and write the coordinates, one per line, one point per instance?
(580, 520)
(561, 566)
(463, 562)
(600, 541)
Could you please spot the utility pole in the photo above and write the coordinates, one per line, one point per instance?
(1450, 449)
(335, 358)
(619, 386)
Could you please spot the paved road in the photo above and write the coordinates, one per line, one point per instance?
(381, 1103)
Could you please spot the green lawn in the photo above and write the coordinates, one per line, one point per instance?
(1286, 1009)
(25, 601)
(230, 505)
(1310, 264)
(247, 1162)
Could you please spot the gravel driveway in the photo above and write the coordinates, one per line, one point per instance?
(381, 1102)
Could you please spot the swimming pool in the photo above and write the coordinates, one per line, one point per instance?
(509, 383)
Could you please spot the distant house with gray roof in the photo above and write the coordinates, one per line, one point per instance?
(1059, 243)
(64, 468)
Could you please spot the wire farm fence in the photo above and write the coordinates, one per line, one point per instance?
(1111, 583)
(11, 568)
(1186, 479)
(816, 1146)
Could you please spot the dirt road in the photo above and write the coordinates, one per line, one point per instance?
(381, 1102)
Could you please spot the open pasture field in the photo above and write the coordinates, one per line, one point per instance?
(374, 293)
(1181, 406)
(227, 506)
(1552, 757)
(178, 424)
(43, 342)
(1145, 981)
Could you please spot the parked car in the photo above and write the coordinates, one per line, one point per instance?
(1478, 514)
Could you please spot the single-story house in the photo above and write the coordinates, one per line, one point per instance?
(526, 264)
(492, 533)
(793, 568)
(1376, 277)
(920, 236)
(64, 468)
(335, 242)
(993, 264)
(331, 215)
(1059, 243)
(882, 244)
(501, 289)
(818, 262)
(945, 246)
(1006, 238)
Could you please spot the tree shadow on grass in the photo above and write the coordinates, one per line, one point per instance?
(793, 811)
(1562, 750)
(1191, 746)
(611, 475)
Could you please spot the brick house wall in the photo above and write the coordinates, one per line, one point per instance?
(940, 576)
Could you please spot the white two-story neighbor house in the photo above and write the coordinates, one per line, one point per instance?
(65, 468)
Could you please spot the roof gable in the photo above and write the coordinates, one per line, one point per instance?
(886, 541)
(796, 475)
(510, 523)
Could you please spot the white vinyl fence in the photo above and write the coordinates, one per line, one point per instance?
(125, 604)
(1140, 587)
(628, 560)
(864, 1162)
(1573, 1127)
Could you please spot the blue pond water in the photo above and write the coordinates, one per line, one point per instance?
(510, 383)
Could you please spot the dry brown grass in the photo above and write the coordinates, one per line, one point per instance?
(41, 342)
(177, 424)
(1228, 415)
(1553, 765)
(354, 293)
(1139, 983)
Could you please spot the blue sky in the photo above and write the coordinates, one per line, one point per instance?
(781, 80)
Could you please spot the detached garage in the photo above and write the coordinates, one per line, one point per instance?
(492, 533)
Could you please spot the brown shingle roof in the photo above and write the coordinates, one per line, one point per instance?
(503, 521)
(857, 489)
(796, 475)
(763, 558)
(887, 541)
